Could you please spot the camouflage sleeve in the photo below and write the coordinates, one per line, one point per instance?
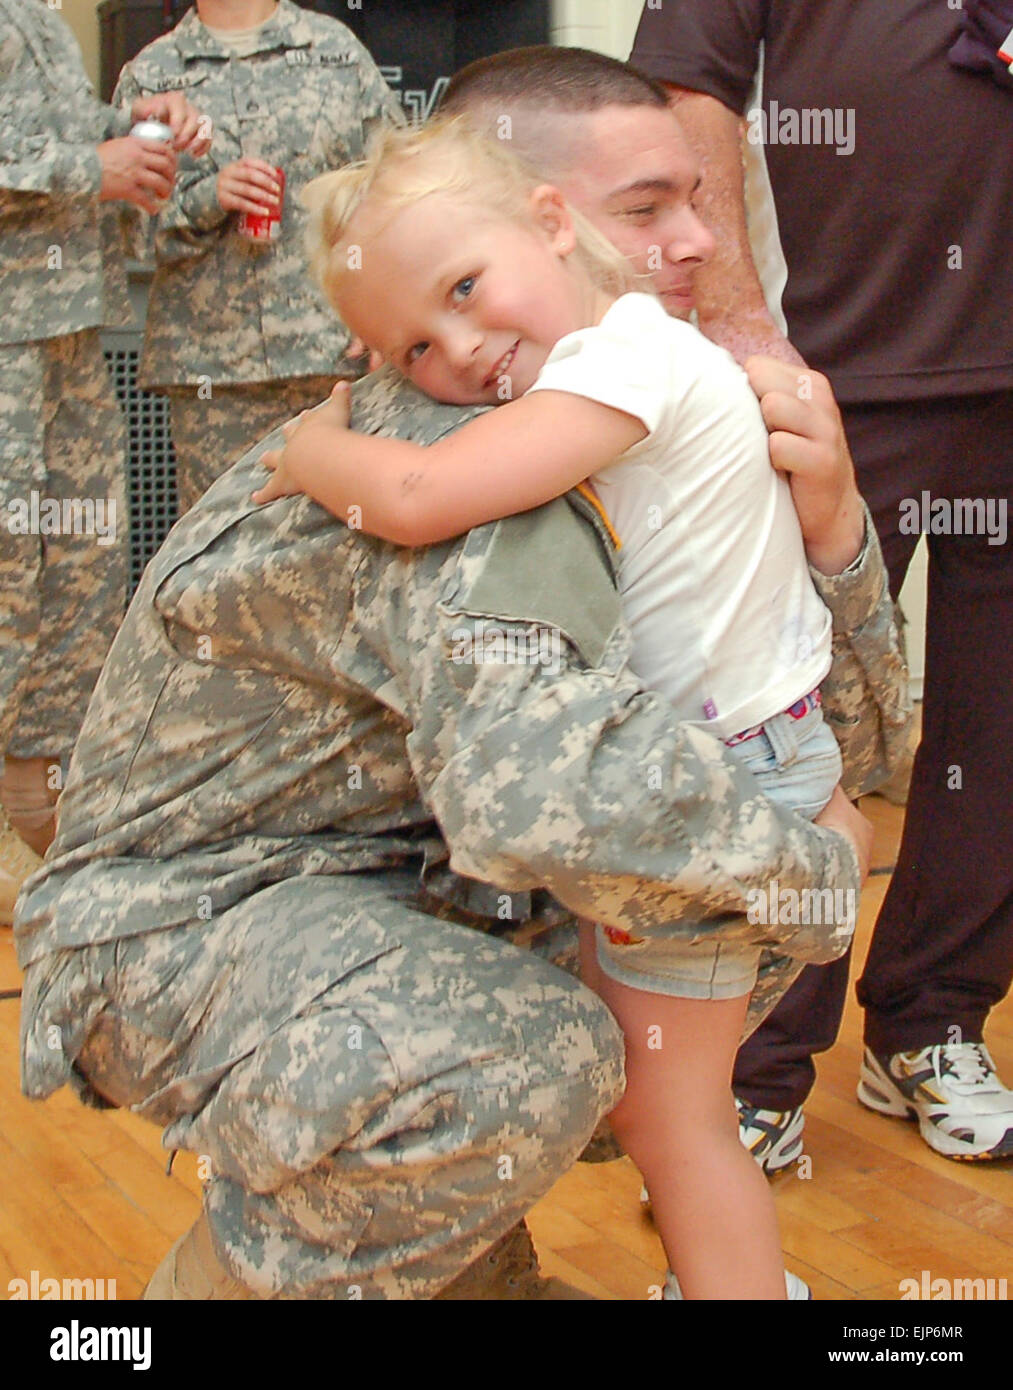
(135, 225)
(33, 159)
(547, 768)
(194, 207)
(865, 696)
(191, 219)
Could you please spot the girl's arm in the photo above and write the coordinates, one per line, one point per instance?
(510, 460)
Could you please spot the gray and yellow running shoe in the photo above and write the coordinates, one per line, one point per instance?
(962, 1108)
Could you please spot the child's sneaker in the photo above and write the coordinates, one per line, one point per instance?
(962, 1108)
(798, 1290)
(773, 1137)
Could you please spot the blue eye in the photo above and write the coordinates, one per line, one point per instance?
(464, 287)
(415, 352)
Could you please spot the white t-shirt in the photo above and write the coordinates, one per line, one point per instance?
(712, 568)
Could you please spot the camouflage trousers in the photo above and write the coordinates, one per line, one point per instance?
(64, 526)
(376, 1094)
(210, 435)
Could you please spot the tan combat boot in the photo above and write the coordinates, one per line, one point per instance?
(17, 862)
(509, 1270)
(191, 1271)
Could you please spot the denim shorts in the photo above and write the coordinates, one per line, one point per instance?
(798, 764)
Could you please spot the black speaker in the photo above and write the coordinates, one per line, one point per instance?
(420, 44)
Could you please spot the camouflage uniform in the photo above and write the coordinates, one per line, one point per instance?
(61, 431)
(227, 315)
(205, 431)
(227, 934)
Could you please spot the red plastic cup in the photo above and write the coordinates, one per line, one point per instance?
(264, 226)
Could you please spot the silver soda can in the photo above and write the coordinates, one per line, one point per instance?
(152, 130)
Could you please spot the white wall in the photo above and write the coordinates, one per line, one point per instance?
(607, 26)
(82, 16)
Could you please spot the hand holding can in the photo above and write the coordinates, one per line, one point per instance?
(139, 168)
(256, 191)
(188, 130)
(256, 226)
(152, 130)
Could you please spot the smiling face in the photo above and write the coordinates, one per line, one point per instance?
(634, 178)
(465, 302)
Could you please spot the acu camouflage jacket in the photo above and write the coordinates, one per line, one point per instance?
(61, 266)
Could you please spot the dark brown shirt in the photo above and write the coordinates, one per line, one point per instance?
(899, 252)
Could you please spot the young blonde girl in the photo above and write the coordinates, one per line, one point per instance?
(480, 284)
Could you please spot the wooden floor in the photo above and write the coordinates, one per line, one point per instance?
(84, 1193)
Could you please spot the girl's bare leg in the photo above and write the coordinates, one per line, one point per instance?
(677, 1121)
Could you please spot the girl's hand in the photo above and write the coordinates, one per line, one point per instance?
(357, 348)
(281, 483)
(324, 420)
(336, 410)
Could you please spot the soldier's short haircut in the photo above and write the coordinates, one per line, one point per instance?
(563, 79)
(539, 99)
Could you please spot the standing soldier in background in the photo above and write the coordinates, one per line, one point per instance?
(237, 336)
(61, 432)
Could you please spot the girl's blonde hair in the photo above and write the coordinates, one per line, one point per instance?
(446, 156)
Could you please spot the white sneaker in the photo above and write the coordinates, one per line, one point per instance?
(962, 1108)
(773, 1137)
(798, 1290)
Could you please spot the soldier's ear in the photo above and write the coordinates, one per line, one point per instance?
(551, 214)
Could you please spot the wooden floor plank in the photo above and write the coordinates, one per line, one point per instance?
(171, 1207)
(555, 1266)
(130, 1233)
(632, 1278)
(903, 1250)
(833, 1254)
(822, 1286)
(825, 1209)
(61, 1240)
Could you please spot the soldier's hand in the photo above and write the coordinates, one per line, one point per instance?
(807, 442)
(839, 814)
(191, 131)
(137, 171)
(249, 185)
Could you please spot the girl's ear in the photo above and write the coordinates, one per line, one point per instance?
(551, 213)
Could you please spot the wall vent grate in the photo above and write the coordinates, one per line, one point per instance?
(151, 462)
